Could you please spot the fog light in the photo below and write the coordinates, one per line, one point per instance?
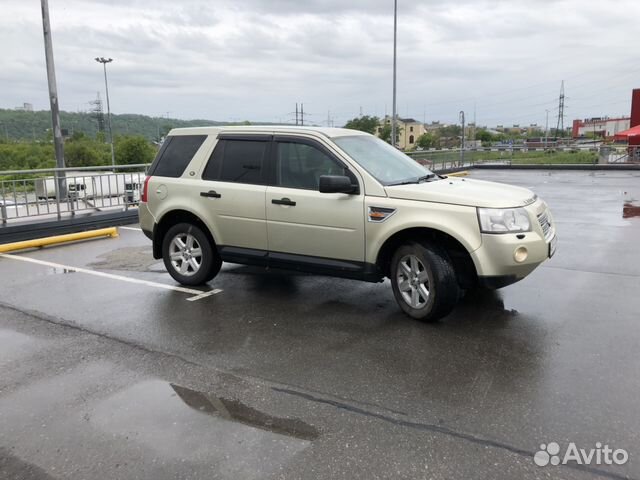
(521, 254)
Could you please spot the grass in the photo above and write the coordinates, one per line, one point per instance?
(441, 159)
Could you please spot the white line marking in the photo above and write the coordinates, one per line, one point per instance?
(204, 295)
(131, 228)
(197, 294)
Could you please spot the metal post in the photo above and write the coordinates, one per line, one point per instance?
(546, 130)
(395, 36)
(53, 100)
(462, 142)
(104, 62)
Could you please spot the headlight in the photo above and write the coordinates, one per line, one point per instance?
(503, 220)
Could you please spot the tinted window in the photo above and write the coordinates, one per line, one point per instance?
(237, 161)
(176, 155)
(300, 166)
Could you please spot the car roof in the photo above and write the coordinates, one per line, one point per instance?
(269, 129)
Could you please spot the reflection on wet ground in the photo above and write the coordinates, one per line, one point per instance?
(181, 425)
(235, 410)
(128, 258)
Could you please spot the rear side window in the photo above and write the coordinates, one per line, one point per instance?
(176, 155)
(241, 161)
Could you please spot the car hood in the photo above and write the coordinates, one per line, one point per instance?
(464, 191)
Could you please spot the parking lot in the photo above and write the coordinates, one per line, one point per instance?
(110, 371)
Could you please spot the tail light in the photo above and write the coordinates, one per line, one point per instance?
(145, 188)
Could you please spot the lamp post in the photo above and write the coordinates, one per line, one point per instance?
(104, 62)
(395, 34)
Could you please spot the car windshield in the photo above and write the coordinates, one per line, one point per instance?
(388, 165)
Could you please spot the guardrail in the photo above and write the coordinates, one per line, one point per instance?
(447, 159)
(60, 192)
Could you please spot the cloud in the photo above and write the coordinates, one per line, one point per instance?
(255, 59)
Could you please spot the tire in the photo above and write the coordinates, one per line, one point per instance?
(433, 291)
(189, 256)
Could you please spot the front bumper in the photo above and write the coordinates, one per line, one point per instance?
(496, 263)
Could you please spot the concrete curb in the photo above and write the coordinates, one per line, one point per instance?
(17, 232)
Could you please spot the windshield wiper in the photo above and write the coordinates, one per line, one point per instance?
(424, 178)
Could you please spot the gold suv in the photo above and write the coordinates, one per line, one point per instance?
(338, 202)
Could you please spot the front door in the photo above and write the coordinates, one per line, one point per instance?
(301, 221)
(233, 190)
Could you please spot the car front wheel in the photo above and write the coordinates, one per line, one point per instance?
(189, 256)
(424, 281)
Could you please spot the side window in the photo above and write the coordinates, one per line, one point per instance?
(240, 161)
(299, 165)
(174, 158)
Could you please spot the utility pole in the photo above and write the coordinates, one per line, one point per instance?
(296, 113)
(104, 62)
(302, 114)
(462, 142)
(395, 36)
(53, 100)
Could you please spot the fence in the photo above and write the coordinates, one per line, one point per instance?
(58, 192)
(438, 160)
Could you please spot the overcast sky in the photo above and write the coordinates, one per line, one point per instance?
(254, 59)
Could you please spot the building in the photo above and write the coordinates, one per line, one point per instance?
(26, 107)
(409, 130)
(604, 127)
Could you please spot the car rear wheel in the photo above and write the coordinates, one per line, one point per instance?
(189, 256)
(424, 281)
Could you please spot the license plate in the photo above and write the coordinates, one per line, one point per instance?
(552, 245)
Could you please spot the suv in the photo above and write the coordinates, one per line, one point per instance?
(338, 202)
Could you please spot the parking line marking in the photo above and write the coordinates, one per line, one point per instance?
(131, 228)
(204, 295)
(196, 294)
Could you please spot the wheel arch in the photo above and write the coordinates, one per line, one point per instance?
(172, 218)
(460, 257)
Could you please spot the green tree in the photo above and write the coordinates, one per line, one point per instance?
(426, 140)
(133, 150)
(484, 136)
(81, 154)
(385, 132)
(364, 124)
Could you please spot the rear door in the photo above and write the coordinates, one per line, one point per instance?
(233, 191)
(301, 221)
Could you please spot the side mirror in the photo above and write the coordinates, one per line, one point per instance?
(336, 184)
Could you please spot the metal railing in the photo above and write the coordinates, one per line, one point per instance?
(58, 192)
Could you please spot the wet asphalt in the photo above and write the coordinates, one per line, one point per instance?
(294, 376)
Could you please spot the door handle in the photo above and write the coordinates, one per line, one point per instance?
(284, 201)
(210, 193)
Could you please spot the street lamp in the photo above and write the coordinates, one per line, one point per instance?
(395, 35)
(104, 62)
(462, 140)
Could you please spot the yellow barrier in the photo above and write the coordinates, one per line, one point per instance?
(464, 173)
(71, 237)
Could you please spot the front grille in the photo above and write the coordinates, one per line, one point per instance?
(545, 224)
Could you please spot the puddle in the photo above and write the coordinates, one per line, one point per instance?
(15, 344)
(59, 271)
(137, 259)
(182, 425)
(237, 411)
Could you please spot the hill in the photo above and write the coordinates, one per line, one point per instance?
(32, 126)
